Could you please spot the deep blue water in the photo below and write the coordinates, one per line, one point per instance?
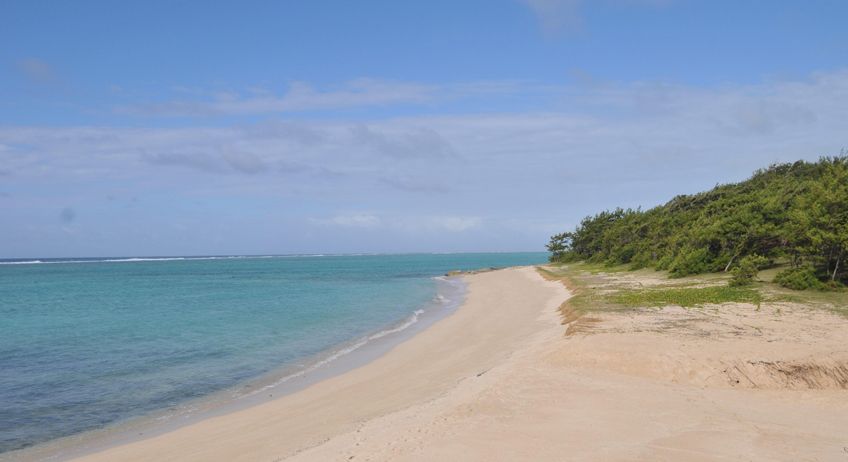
(89, 342)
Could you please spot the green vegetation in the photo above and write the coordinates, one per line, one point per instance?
(598, 289)
(795, 213)
(799, 279)
(586, 296)
(687, 296)
(596, 293)
(745, 273)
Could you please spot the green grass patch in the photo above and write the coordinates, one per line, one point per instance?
(586, 298)
(687, 297)
(596, 268)
(596, 291)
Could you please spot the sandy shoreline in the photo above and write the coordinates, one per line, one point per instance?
(504, 312)
(500, 380)
(721, 382)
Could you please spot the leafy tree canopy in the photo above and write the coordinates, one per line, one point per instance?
(795, 211)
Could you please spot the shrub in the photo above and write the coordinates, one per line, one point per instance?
(690, 261)
(759, 261)
(799, 279)
(664, 262)
(746, 271)
(834, 285)
(639, 261)
(623, 254)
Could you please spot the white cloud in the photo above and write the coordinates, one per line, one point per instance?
(299, 97)
(454, 224)
(304, 97)
(617, 126)
(351, 220)
(415, 142)
(603, 145)
(414, 224)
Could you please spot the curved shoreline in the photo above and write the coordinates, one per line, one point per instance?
(500, 379)
(503, 311)
(270, 386)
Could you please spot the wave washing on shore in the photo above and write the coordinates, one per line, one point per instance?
(92, 342)
(23, 261)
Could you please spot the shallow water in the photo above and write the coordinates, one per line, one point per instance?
(88, 342)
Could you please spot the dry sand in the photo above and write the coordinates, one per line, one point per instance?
(499, 380)
(503, 311)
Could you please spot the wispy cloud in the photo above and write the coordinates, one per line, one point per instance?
(610, 120)
(556, 16)
(300, 97)
(407, 223)
(501, 175)
(454, 224)
(37, 71)
(223, 162)
(304, 97)
(417, 142)
(350, 220)
(408, 183)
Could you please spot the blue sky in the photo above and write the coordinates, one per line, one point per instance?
(378, 126)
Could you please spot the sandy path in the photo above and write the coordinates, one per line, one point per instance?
(505, 311)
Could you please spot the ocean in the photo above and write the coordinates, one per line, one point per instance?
(87, 344)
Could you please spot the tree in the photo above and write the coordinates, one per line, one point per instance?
(796, 210)
(559, 245)
(819, 221)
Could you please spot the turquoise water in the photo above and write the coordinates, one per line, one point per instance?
(89, 342)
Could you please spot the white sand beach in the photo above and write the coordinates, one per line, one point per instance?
(500, 380)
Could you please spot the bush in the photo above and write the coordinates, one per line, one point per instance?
(759, 261)
(623, 254)
(747, 270)
(834, 285)
(640, 261)
(690, 261)
(664, 262)
(799, 279)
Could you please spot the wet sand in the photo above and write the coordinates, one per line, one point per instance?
(505, 311)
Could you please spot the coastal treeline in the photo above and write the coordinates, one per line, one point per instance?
(794, 214)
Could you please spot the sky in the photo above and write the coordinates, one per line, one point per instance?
(210, 128)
